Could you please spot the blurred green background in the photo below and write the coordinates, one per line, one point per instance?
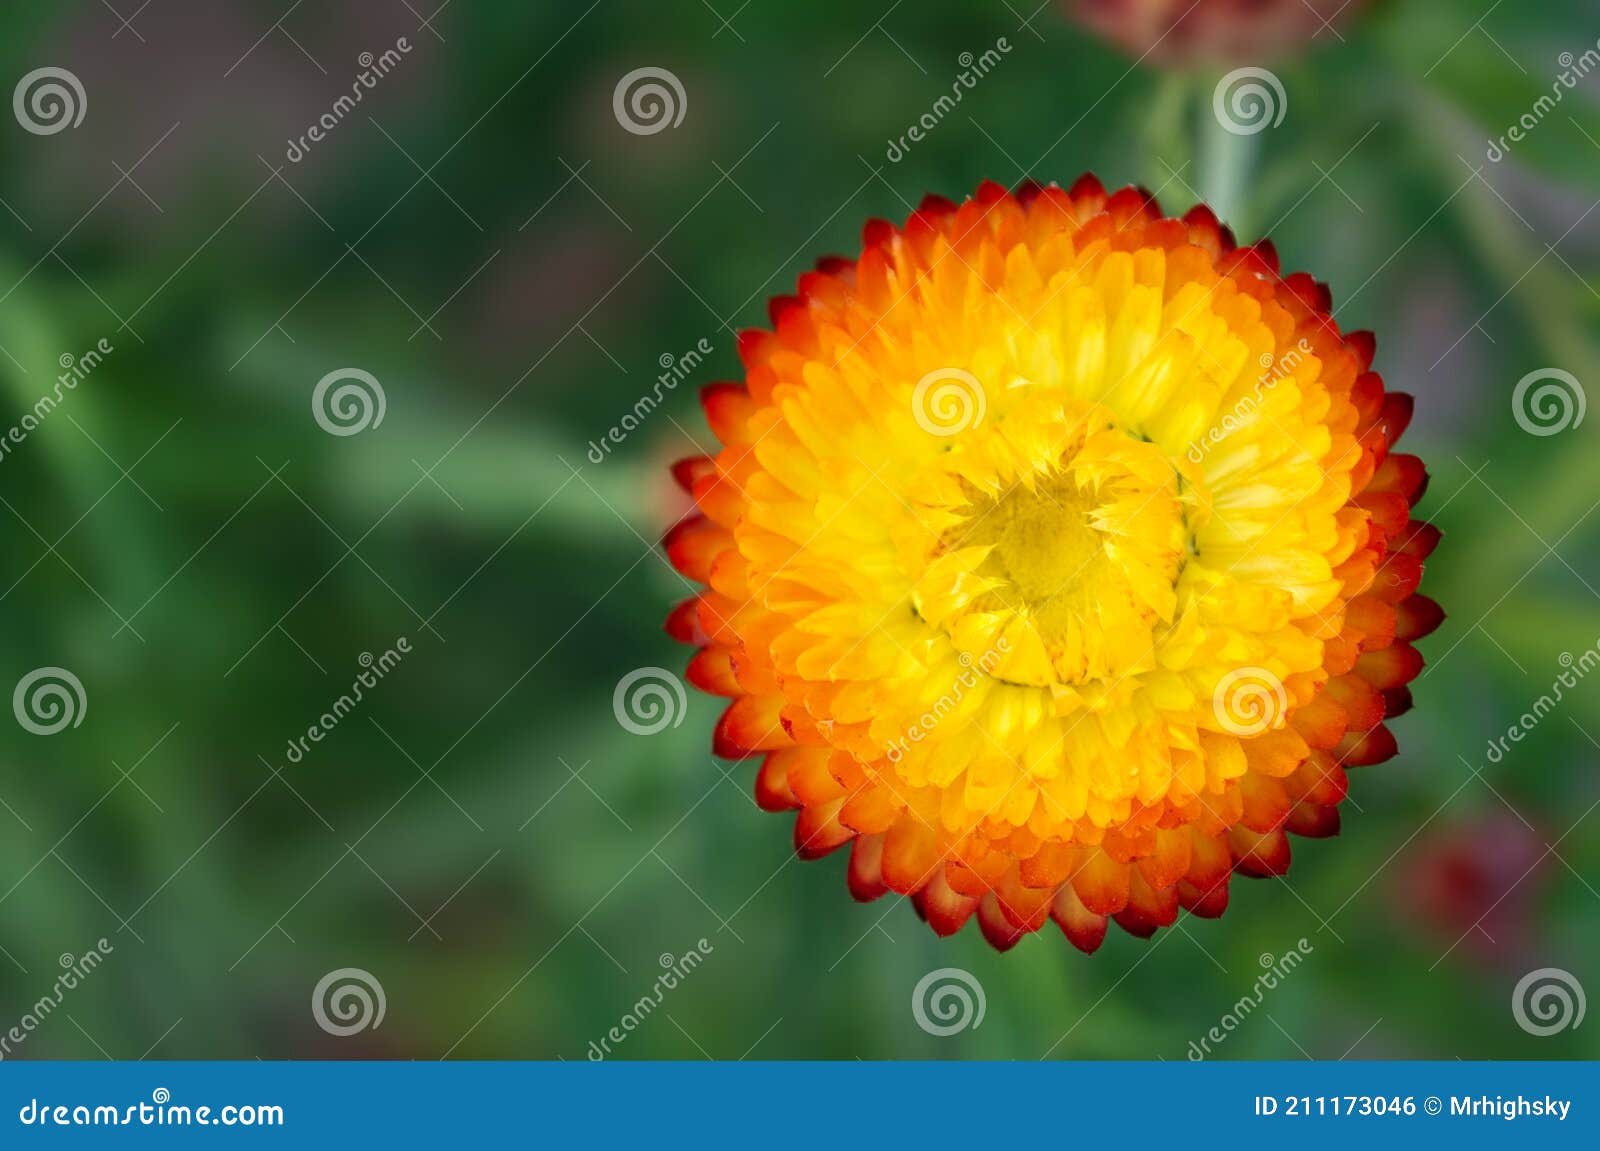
(482, 236)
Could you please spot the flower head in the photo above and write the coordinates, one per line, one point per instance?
(1461, 875)
(1214, 30)
(1057, 561)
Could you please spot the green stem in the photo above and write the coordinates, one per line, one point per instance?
(1228, 163)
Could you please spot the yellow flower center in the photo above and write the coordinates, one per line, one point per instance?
(1075, 563)
(1043, 540)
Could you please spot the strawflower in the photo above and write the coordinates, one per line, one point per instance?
(1058, 561)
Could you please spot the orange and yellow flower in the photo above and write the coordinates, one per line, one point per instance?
(1057, 560)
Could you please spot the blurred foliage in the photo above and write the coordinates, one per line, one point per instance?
(484, 238)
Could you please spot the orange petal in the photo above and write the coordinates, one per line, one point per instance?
(1372, 619)
(711, 670)
(1321, 723)
(1389, 510)
(1362, 704)
(1266, 803)
(1417, 616)
(1206, 902)
(1313, 821)
(1276, 753)
(817, 830)
(1363, 749)
(719, 498)
(1148, 908)
(945, 909)
(1400, 473)
(1396, 701)
(1170, 862)
(1210, 862)
(1394, 666)
(687, 471)
(1420, 540)
(1396, 416)
(1082, 927)
(1049, 866)
(683, 623)
(1102, 883)
(865, 874)
(772, 785)
(1397, 578)
(750, 725)
(1259, 855)
(910, 855)
(1001, 933)
(1319, 780)
(728, 408)
(1026, 907)
(871, 810)
(809, 777)
(693, 546)
(964, 880)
